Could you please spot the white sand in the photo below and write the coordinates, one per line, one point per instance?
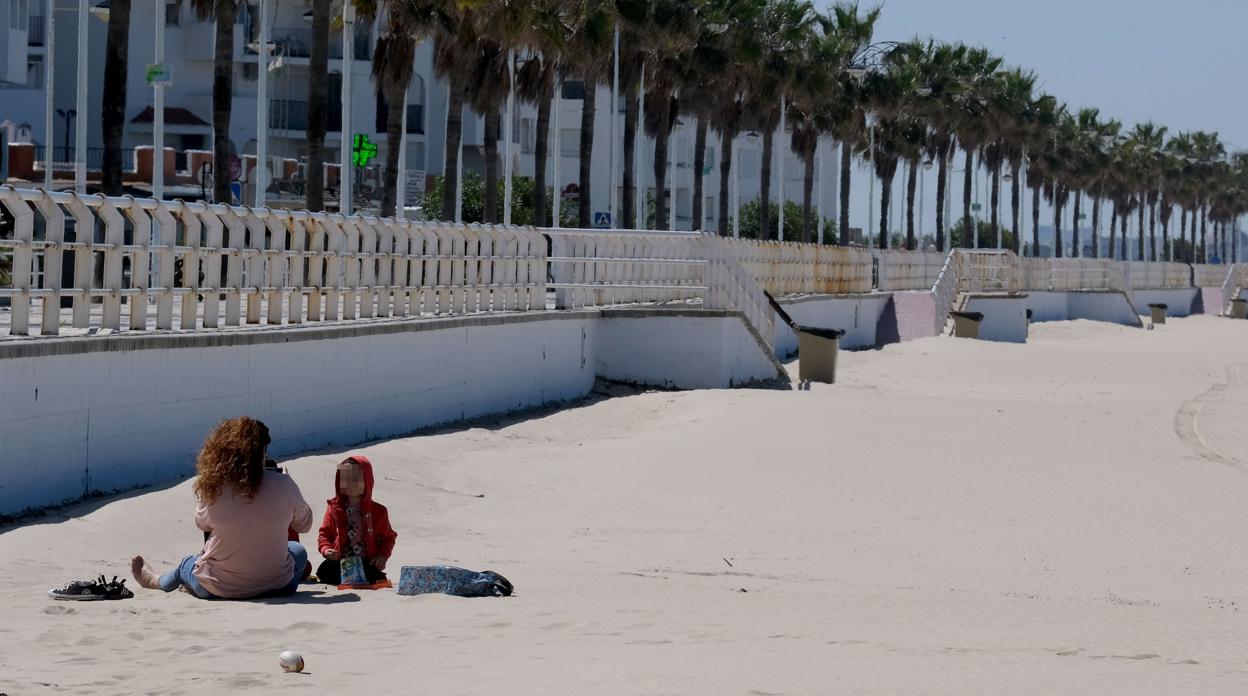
(954, 517)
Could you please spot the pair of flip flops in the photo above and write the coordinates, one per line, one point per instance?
(92, 590)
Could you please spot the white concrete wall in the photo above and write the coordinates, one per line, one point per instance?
(112, 413)
(109, 420)
(1179, 301)
(680, 352)
(1005, 317)
(1103, 306)
(857, 315)
(1048, 306)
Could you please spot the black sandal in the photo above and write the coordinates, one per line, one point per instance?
(92, 590)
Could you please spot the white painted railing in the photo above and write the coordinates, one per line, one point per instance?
(945, 290)
(1236, 280)
(792, 268)
(734, 288)
(899, 269)
(195, 265)
(596, 268)
(1208, 275)
(1147, 275)
(988, 271)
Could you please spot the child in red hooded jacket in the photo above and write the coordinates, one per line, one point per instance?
(355, 525)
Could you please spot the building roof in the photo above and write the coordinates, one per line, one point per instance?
(174, 116)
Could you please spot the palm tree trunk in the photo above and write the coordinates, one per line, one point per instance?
(113, 118)
(725, 178)
(588, 113)
(1096, 226)
(1076, 250)
(968, 231)
(1126, 216)
(1183, 234)
(1140, 235)
(541, 145)
(808, 187)
(1058, 252)
(628, 197)
(394, 93)
(318, 98)
(1152, 231)
(222, 99)
(1113, 230)
(662, 139)
(846, 155)
(942, 180)
(886, 194)
(1035, 221)
(1204, 240)
(699, 164)
(764, 187)
(1014, 211)
(489, 209)
(913, 181)
(454, 134)
(995, 175)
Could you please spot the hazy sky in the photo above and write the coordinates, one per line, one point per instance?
(1182, 64)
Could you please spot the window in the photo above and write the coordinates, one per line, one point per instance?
(172, 16)
(570, 142)
(574, 90)
(251, 72)
(415, 119)
(709, 162)
(34, 72)
(528, 136)
(416, 156)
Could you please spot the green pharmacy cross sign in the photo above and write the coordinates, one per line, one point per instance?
(363, 150)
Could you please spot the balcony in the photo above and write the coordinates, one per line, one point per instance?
(296, 42)
(292, 115)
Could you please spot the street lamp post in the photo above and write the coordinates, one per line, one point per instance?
(158, 109)
(556, 185)
(511, 115)
(640, 174)
(348, 54)
(780, 173)
(80, 147)
(49, 101)
(262, 101)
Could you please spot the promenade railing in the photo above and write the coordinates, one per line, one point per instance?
(898, 269)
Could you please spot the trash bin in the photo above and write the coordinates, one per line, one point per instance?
(966, 324)
(816, 353)
(1029, 316)
(1239, 309)
(1158, 311)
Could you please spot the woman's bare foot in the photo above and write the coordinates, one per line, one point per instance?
(143, 574)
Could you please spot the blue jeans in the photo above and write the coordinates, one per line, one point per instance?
(183, 575)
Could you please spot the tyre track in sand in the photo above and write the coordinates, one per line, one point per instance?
(1187, 419)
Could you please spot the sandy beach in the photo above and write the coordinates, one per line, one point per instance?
(952, 517)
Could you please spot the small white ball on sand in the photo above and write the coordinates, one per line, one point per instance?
(290, 661)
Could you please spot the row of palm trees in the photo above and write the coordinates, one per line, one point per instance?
(749, 65)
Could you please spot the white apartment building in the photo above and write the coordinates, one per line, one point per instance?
(188, 103)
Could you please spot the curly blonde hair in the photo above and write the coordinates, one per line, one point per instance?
(233, 454)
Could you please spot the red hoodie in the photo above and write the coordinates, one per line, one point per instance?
(379, 537)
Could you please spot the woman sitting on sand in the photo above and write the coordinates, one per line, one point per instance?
(248, 512)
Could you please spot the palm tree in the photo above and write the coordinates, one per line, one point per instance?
(667, 50)
(893, 93)
(318, 102)
(847, 104)
(393, 65)
(1148, 140)
(222, 13)
(972, 118)
(113, 116)
(1010, 108)
(942, 74)
(1041, 141)
(590, 40)
(785, 26)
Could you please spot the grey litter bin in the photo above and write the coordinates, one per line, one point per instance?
(966, 324)
(816, 353)
(1239, 309)
(1158, 311)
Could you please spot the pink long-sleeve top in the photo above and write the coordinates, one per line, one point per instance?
(246, 554)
